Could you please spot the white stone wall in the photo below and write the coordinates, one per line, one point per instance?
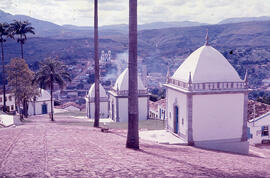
(6, 120)
(217, 116)
(179, 99)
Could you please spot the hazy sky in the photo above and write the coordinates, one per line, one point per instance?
(80, 12)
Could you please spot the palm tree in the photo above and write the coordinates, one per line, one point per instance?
(4, 32)
(97, 109)
(133, 133)
(51, 72)
(21, 29)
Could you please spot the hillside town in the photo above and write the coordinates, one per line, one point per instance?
(131, 102)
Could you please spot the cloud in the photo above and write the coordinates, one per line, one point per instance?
(80, 12)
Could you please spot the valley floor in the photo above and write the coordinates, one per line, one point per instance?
(68, 148)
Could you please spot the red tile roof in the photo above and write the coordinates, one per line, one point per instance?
(260, 109)
(65, 105)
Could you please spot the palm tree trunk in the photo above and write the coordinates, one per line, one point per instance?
(16, 91)
(97, 105)
(133, 133)
(21, 42)
(25, 108)
(4, 78)
(19, 110)
(52, 119)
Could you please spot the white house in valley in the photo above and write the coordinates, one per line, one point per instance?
(157, 110)
(10, 101)
(118, 99)
(40, 105)
(258, 129)
(207, 102)
(90, 102)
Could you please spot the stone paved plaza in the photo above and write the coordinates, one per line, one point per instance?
(70, 148)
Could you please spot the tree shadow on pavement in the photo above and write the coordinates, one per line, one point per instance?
(204, 171)
(173, 148)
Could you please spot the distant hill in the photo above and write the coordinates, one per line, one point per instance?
(44, 28)
(172, 41)
(249, 41)
(244, 19)
(51, 30)
(160, 25)
(156, 44)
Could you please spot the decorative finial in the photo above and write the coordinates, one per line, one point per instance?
(206, 38)
(168, 75)
(246, 75)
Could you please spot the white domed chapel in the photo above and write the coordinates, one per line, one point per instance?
(90, 102)
(207, 102)
(118, 99)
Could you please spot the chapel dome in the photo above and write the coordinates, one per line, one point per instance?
(122, 82)
(91, 92)
(206, 64)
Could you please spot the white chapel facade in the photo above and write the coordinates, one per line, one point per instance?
(41, 104)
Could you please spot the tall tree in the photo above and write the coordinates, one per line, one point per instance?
(20, 81)
(97, 102)
(20, 29)
(133, 132)
(4, 33)
(52, 72)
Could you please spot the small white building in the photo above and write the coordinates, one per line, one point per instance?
(153, 110)
(157, 110)
(207, 102)
(118, 99)
(10, 101)
(90, 102)
(258, 129)
(40, 105)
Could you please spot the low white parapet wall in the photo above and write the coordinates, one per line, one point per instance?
(6, 120)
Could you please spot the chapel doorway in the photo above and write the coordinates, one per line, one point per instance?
(112, 111)
(176, 116)
(44, 109)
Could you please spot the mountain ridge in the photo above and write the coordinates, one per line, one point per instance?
(67, 31)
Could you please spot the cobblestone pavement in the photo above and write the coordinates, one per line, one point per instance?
(68, 148)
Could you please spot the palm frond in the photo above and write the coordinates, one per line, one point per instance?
(52, 71)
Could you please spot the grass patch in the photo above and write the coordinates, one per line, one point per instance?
(71, 113)
(143, 125)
